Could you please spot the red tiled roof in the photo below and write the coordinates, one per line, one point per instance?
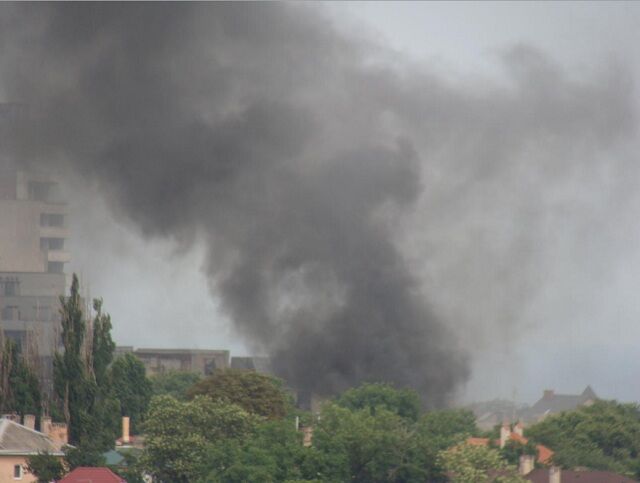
(586, 476)
(544, 453)
(478, 441)
(92, 475)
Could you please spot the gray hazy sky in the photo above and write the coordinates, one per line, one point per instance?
(577, 319)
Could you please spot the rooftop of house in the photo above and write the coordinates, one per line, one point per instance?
(18, 439)
(552, 403)
(541, 475)
(544, 453)
(92, 475)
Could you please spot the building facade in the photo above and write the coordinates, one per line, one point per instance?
(33, 235)
(160, 361)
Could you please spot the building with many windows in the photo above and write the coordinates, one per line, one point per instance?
(33, 235)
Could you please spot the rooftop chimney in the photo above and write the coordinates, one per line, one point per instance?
(548, 394)
(526, 464)
(125, 430)
(554, 474)
(29, 421)
(505, 434)
(519, 429)
(45, 425)
(59, 434)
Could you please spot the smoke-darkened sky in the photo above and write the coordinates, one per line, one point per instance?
(439, 196)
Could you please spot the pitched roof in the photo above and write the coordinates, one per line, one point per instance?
(587, 476)
(552, 403)
(544, 453)
(18, 439)
(92, 475)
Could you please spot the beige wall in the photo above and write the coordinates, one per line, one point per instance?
(6, 469)
(20, 237)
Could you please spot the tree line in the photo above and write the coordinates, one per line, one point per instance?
(239, 426)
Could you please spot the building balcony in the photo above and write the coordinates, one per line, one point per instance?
(58, 256)
(54, 232)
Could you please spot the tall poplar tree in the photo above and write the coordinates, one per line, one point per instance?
(71, 382)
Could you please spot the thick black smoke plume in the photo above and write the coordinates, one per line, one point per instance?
(291, 149)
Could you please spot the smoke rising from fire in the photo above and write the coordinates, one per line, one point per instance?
(301, 155)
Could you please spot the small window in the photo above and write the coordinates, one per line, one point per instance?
(55, 267)
(10, 288)
(17, 472)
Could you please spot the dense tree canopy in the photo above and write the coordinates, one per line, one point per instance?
(181, 435)
(174, 383)
(132, 388)
(405, 403)
(466, 463)
(605, 436)
(254, 392)
(19, 385)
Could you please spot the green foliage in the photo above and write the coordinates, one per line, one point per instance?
(513, 450)
(272, 453)
(405, 402)
(476, 464)
(603, 436)
(132, 388)
(174, 384)
(364, 446)
(45, 467)
(85, 454)
(256, 393)
(81, 379)
(19, 387)
(182, 435)
(71, 382)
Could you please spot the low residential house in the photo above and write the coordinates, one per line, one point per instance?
(507, 434)
(552, 403)
(92, 475)
(20, 441)
(556, 475)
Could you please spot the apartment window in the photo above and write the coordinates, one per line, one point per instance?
(39, 191)
(55, 267)
(10, 312)
(51, 219)
(17, 472)
(10, 288)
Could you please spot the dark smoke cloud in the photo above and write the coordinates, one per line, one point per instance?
(295, 151)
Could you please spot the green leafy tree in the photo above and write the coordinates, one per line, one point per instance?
(467, 463)
(603, 436)
(45, 467)
(364, 446)
(182, 435)
(513, 450)
(256, 393)
(174, 384)
(71, 381)
(404, 402)
(272, 453)
(20, 387)
(132, 388)
(80, 375)
(86, 454)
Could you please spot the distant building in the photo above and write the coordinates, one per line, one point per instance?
(491, 413)
(552, 403)
(160, 361)
(33, 254)
(517, 435)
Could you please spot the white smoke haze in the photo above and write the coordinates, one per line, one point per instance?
(352, 213)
